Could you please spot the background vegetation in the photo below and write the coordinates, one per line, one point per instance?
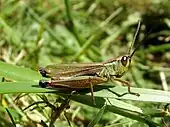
(41, 32)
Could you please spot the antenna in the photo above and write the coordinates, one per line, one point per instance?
(134, 39)
(141, 41)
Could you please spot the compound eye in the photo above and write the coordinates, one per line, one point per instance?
(124, 60)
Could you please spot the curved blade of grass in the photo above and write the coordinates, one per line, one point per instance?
(18, 73)
(123, 105)
(149, 95)
(85, 99)
(97, 118)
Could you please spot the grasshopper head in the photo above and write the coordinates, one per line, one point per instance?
(117, 66)
(122, 65)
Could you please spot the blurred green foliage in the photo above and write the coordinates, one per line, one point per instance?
(41, 32)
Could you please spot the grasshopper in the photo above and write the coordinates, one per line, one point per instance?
(86, 75)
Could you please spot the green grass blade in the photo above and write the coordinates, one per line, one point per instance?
(97, 118)
(123, 110)
(148, 95)
(22, 87)
(10, 115)
(18, 73)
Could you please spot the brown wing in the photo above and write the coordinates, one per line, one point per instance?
(76, 69)
(78, 82)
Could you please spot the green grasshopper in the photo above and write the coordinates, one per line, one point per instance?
(86, 75)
